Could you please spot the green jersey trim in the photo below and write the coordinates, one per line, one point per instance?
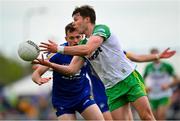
(102, 30)
(82, 42)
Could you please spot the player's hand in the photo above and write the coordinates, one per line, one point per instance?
(167, 53)
(51, 46)
(42, 61)
(41, 81)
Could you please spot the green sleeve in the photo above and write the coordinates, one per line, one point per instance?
(82, 42)
(170, 69)
(148, 68)
(102, 30)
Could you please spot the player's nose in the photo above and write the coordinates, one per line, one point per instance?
(76, 41)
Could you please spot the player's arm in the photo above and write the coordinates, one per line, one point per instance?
(150, 57)
(141, 58)
(36, 75)
(81, 50)
(174, 82)
(71, 69)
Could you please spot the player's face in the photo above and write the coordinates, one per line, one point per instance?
(73, 38)
(79, 23)
(155, 52)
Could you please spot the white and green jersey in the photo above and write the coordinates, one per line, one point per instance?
(109, 60)
(156, 75)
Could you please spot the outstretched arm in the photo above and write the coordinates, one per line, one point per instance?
(71, 69)
(151, 57)
(81, 50)
(39, 71)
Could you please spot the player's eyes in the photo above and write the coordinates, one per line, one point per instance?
(73, 37)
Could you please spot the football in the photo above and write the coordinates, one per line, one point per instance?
(28, 50)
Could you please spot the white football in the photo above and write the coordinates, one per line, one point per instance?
(28, 50)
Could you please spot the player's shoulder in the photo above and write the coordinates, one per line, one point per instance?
(167, 64)
(149, 65)
(101, 27)
(102, 30)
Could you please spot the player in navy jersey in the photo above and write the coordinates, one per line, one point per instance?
(70, 93)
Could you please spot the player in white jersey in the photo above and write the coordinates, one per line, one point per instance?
(122, 82)
(160, 77)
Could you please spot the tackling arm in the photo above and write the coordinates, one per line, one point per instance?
(72, 68)
(81, 50)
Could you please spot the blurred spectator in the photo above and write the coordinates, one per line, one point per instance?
(27, 108)
(43, 108)
(160, 77)
(4, 106)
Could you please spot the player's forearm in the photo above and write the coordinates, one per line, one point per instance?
(36, 76)
(144, 58)
(80, 50)
(63, 69)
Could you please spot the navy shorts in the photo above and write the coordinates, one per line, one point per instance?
(102, 104)
(79, 107)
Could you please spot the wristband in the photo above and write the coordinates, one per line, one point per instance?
(60, 49)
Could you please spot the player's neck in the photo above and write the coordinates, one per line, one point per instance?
(157, 62)
(90, 30)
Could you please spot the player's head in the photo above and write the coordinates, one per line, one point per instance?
(72, 35)
(154, 51)
(83, 16)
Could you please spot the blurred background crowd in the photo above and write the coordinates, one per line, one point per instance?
(38, 106)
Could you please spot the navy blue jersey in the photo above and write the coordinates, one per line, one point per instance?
(68, 90)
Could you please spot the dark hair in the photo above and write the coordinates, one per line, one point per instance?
(69, 28)
(86, 11)
(154, 50)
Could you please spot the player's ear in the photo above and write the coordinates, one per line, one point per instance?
(87, 19)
